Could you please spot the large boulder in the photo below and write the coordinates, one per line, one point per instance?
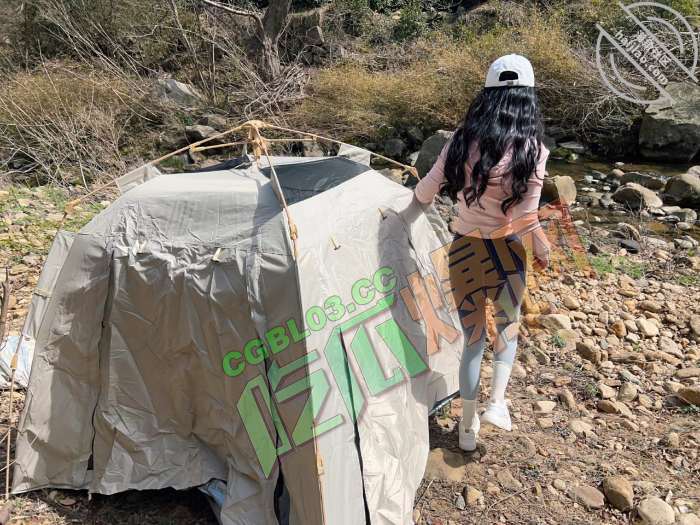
(671, 129)
(684, 190)
(199, 132)
(637, 196)
(559, 188)
(170, 90)
(430, 150)
(651, 180)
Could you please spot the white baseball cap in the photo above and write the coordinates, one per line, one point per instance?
(511, 70)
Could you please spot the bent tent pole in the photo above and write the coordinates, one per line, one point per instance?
(307, 137)
(258, 124)
(259, 144)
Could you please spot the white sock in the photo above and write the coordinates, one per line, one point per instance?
(499, 381)
(469, 419)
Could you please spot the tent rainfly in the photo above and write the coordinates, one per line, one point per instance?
(268, 324)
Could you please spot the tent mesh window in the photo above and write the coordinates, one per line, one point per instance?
(303, 180)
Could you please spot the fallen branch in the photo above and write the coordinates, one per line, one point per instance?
(503, 500)
(4, 309)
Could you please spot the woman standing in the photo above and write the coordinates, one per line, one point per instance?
(494, 166)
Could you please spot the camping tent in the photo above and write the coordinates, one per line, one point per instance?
(204, 328)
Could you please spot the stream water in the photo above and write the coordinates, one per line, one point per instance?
(578, 169)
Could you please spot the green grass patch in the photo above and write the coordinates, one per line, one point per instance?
(688, 280)
(604, 264)
(557, 341)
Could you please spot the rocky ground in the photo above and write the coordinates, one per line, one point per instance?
(603, 430)
(602, 395)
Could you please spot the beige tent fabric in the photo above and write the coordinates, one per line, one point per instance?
(183, 269)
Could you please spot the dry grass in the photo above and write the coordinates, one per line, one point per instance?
(63, 122)
(434, 89)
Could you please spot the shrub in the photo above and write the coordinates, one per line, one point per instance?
(131, 33)
(65, 124)
(435, 87)
(411, 21)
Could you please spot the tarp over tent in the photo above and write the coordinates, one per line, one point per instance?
(180, 339)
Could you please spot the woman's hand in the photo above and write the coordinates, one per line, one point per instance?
(540, 252)
(414, 210)
(540, 264)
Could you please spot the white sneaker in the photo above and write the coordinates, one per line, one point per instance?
(497, 414)
(467, 436)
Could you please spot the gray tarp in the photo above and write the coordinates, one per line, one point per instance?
(138, 312)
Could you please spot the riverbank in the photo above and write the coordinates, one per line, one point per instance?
(609, 355)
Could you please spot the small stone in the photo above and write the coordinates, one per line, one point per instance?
(571, 302)
(492, 489)
(588, 351)
(668, 345)
(645, 401)
(518, 371)
(695, 325)
(688, 373)
(507, 481)
(629, 425)
(472, 496)
(545, 422)
(647, 328)
(628, 392)
(655, 511)
(559, 484)
(672, 440)
(199, 132)
(580, 427)
(606, 392)
(554, 322)
(445, 464)
(609, 407)
(650, 306)
(588, 496)
(544, 407)
(619, 492)
(619, 328)
(460, 502)
(688, 519)
(690, 394)
(567, 398)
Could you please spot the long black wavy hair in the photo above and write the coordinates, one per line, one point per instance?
(497, 119)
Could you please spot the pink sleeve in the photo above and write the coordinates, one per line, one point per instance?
(429, 185)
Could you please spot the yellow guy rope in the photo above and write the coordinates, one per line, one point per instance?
(311, 137)
(259, 147)
(260, 143)
(257, 124)
(72, 204)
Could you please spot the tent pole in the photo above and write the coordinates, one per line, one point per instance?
(248, 125)
(259, 145)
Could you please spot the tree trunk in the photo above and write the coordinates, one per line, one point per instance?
(270, 65)
(273, 24)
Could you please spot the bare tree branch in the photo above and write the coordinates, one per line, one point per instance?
(234, 11)
(190, 47)
(270, 26)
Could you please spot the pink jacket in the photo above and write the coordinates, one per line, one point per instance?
(488, 220)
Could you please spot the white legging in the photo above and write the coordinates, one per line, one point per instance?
(507, 315)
